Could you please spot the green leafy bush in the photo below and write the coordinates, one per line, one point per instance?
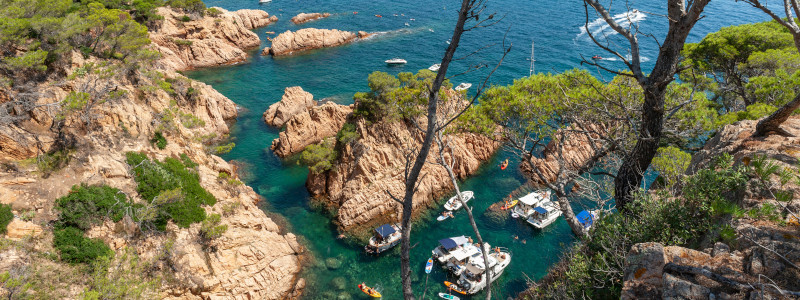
(671, 164)
(190, 6)
(157, 180)
(213, 11)
(159, 140)
(224, 149)
(75, 248)
(125, 276)
(347, 134)
(319, 157)
(5, 217)
(51, 162)
(211, 229)
(185, 19)
(86, 206)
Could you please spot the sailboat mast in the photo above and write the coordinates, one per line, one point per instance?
(532, 60)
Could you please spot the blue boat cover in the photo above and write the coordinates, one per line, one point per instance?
(586, 218)
(385, 230)
(453, 242)
(540, 210)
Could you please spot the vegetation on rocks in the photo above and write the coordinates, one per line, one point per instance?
(393, 98)
(319, 157)
(75, 248)
(86, 206)
(5, 217)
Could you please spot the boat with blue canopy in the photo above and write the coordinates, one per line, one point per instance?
(386, 236)
(586, 218)
(544, 214)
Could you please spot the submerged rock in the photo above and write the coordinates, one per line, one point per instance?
(333, 263)
(304, 17)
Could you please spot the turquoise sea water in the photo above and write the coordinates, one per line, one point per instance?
(337, 73)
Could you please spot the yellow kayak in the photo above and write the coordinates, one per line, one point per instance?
(369, 291)
(510, 204)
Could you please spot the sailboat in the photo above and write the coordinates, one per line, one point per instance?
(532, 61)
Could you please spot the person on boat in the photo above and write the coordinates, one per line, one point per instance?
(504, 164)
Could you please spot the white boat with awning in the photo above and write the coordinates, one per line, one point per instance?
(454, 203)
(448, 246)
(473, 279)
(527, 203)
(545, 214)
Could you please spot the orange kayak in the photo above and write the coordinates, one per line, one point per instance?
(369, 291)
(455, 287)
(504, 165)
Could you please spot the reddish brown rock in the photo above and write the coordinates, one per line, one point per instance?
(304, 17)
(310, 127)
(576, 151)
(294, 101)
(289, 42)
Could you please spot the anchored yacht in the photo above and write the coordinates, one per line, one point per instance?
(396, 61)
(473, 279)
(386, 237)
(545, 214)
(435, 67)
(463, 86)
(527, 203)
(455, 204)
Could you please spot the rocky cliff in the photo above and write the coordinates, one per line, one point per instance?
(306, 122)
(304, 17)
(254, 258)
(575, 152)
(764, 254)
(374, 164)
(207, 41)
(289, 42)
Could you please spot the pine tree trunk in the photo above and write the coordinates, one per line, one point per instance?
(772, 123)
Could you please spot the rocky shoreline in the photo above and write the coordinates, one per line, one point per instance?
(304, 17)
(290, 42)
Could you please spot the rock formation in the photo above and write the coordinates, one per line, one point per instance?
(304, 17)
(207, 41)
(575, 152)
(254, 258)
(294, 101)
(306, 123)
(373, 165)
(290, 42)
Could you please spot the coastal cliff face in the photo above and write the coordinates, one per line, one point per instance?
(304, 17)
(289, 42)
(208, 41)
(762, 247)
(306, 122)
(255, 258)
(373, 165)
(576, 151)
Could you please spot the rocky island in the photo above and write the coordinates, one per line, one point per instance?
(304, 17)
(290, 42)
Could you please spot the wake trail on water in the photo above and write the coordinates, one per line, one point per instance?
(628, 57)
(393, 33)
(599, 27)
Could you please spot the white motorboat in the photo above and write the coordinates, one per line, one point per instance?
(455, 204)
(454, 253)
(463, 86)
(264, 1)
(448, 246)
(524, 208)
(396, 61)
(386, 237)
(545, 214)
(435, 67)
(473, 279)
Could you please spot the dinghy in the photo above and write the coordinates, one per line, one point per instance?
(448, 296)
(510, 204)
(455, 204)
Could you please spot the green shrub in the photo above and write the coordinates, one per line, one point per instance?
(5, 217)
(155, 178)
(86, 206)
(213, 11)
(75, 248)
(125, 276)
(51, 162)
(319, 157)
(191, 121)
(190, 6)
(347, 134)
(211, 229)
(159, 140)
(671, 164)
(223, 149)
(185, 19)
(188, 161)
(29, 61)
(182, 42)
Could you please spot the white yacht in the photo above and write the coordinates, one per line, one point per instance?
(435, 67)
(454, 203)
(463, 86)
(396, 61)
(527, 203)
(473, 279)
(264, 1)
(386, 237)
(454, 253)
(545, 214)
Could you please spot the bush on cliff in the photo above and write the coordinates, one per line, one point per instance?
(86, 206)
(172, 188)
(76, 248)
(5, 217)
(594, 268)
(189, 6)
(319, 157)
(392, 98)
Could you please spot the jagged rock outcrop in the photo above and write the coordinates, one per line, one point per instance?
(289, 42)
(254, 258)
(374, 164)
(294, 101)
(576, 151)
(310, 127)
(207, 41)
(304, 17)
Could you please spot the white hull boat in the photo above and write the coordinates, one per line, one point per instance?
(454, 203)
(527, 203)
(264, 1)
(545, 214)
(463, 86)
(386, 237)
(473, 279)
(396, 61)
(435, 68)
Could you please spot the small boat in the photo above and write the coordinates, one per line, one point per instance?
(587, 218)
(395, 15)
(514, 215)
(510, 204)
(446, 215)
(597, 57)
(386, 237)
(454, 287)
(270, 32)
(545, 214)
(429, 266)
(455, 204)
(407, 24)
(448, 296)
(435, 67)
(369, 291)
(504, 164)
(412, 19)
(355, 12)
(379, 16)
(396, 61)
(448, 42)
(473, 280)
(463, 86)
(526, 203)
(430, 29)
(264, 1)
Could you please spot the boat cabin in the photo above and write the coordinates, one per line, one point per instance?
(544, 214)
(586, 218)
(386, 236)
(447, 247)
(527, 203)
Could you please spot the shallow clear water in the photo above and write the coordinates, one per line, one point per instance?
(337, 73)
